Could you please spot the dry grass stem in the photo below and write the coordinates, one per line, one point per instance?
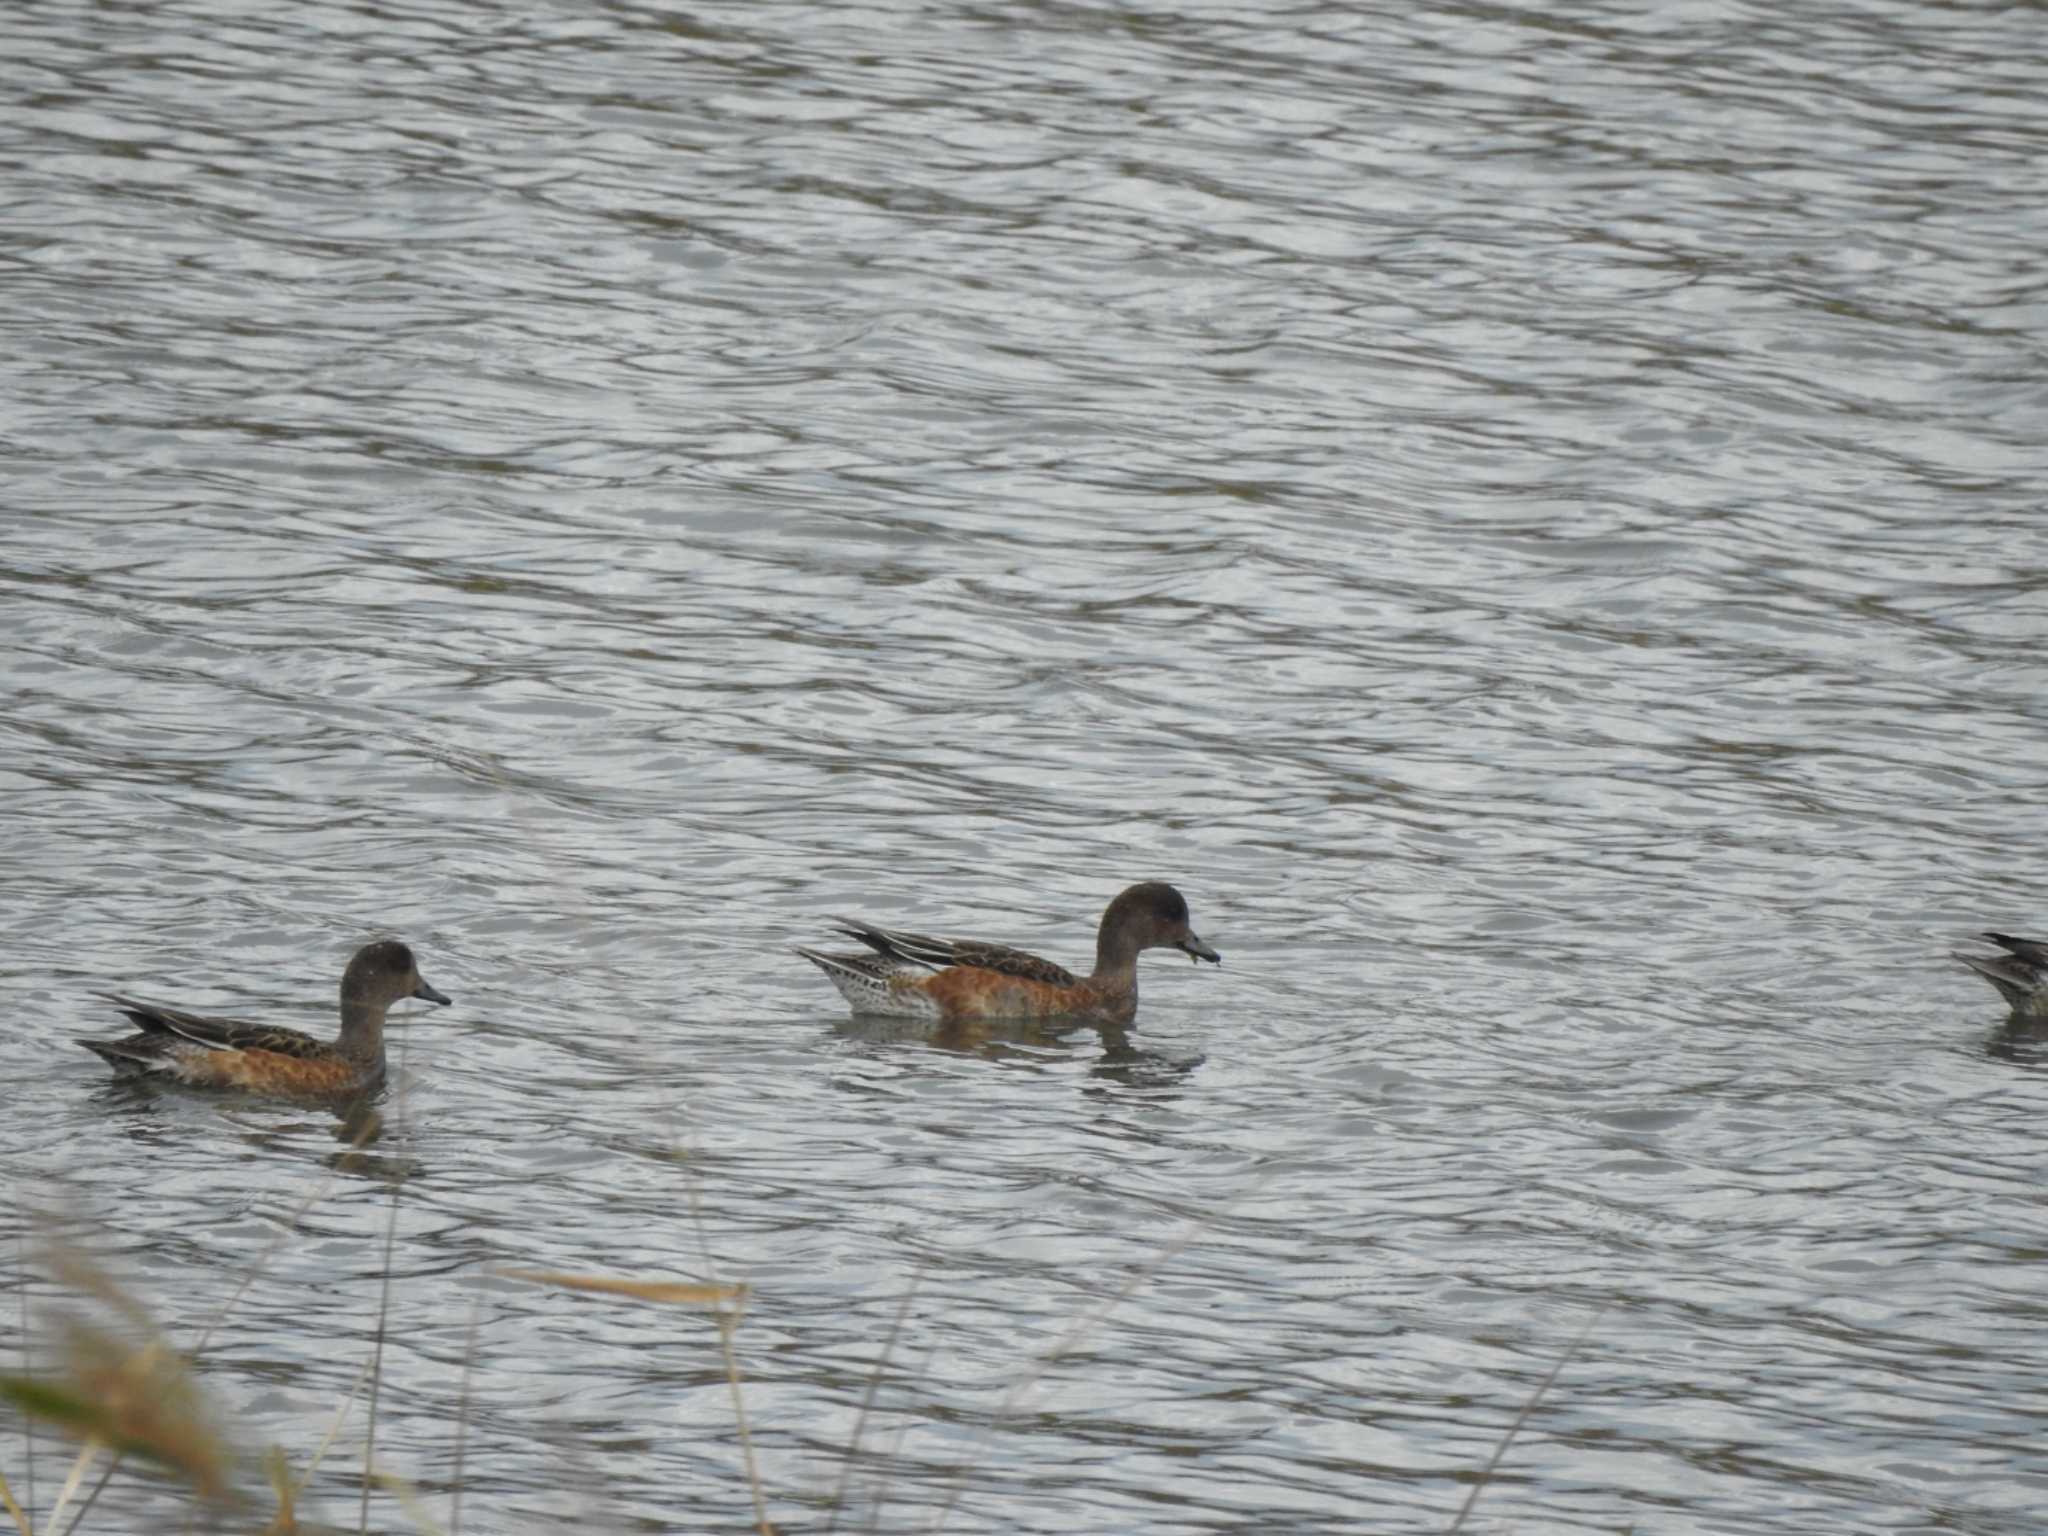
(133, 1398)
(276, 1245)
(279, 1472)
(377, 1358)
(462, 1416)
(728, 1324)
(1084, 1325)
(1514, 1429)
(730, 1304)
(666, 1292)
(87, 1455)
(98, 1488)
(28, 1368)
(409, 1497)
(83, 1275)
(867, 1399)
(333, 1429)
(20, 1520)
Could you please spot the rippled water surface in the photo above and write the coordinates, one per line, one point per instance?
(1532, 517)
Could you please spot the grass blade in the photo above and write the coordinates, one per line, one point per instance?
(377, 1358)
(1087, 1323)
(20, 1520)
(87, 1455)
(663, 1292)
(1514, 1429)
(476, 1307)
(867, 1400)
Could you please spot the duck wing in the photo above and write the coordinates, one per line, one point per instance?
(939, 954)
(218, 1034)
(2030, 952)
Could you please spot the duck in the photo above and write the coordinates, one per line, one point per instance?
(910, 975)
(2020, 974)
(210, 1052)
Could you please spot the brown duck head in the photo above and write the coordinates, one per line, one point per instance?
(1152, 915)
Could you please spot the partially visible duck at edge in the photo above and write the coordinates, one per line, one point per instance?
(947, 980)
(2020, 974)
(231, 1053)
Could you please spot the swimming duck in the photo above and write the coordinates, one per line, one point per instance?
(947, 980)
(231, 1053)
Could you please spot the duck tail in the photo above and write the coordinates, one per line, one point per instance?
(129, 1056)
(2020, 974)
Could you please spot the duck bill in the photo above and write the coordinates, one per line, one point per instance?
(1197, 951)
(427, 994)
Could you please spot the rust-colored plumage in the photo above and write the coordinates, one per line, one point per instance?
(948, 980)
(214, 1052)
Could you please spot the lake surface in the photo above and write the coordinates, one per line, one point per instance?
(1532, 517)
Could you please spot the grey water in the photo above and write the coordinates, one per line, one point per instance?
(1530, 516)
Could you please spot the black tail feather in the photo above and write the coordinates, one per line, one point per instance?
(2020, 974)
(138, 1055)
(2031, 951)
